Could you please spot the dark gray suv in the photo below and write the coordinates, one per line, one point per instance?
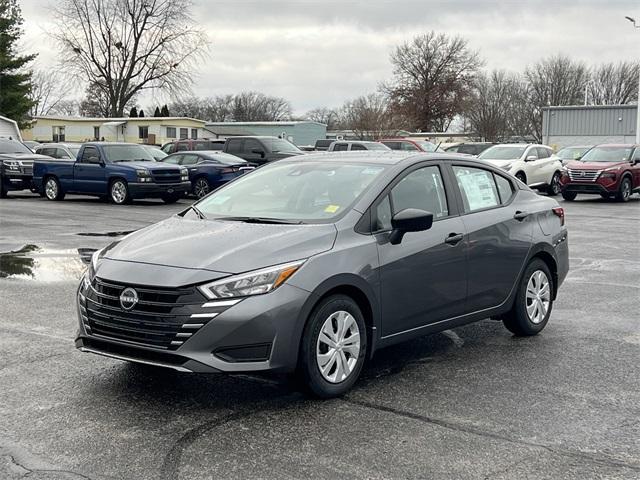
(311, 265)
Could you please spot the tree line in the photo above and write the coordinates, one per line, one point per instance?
(123, 48)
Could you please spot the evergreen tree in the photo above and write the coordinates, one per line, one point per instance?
(156, 113)
(141, 113)
(164, 112)
(134, 112)
(15, 82)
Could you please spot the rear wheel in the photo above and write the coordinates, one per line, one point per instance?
(201, 187)
(52, 189)
(534, 301)
(554, 186)
(522, 177)
(570, 196)
(119, 192)
(625, 190)
(334, 346)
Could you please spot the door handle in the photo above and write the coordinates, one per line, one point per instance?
(453, 238)
(520, 215)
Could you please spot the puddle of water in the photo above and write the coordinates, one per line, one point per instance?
(43, 265)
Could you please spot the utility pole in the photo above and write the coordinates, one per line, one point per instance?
(633, 21)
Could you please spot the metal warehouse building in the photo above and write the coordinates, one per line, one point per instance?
(297, 132)
(588, 125)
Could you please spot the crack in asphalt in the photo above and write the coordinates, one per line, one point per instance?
(594, 458)
(30, 470)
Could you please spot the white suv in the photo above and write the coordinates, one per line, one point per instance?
(534, 165)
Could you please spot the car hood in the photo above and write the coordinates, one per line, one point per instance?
(594, 165)
(221, 246)
(22, 156)
(499, 163)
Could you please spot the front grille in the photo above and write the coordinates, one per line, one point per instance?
(162, 317)
(171, 175)
(583, 175)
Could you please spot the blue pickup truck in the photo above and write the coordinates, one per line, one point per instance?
(118, 171)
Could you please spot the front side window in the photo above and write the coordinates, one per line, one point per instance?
(90, 155)
(357, 146)
(250, 145)
(422, 189)
(292, 191)
(234, 145)
(636, 155)
(189, 160)
(543, 152)
(532, 154)
(477, 187)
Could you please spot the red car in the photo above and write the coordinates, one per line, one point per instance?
(406, 144)
(607, 170)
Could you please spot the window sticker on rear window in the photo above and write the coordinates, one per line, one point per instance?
(332, 208)
(479, 188)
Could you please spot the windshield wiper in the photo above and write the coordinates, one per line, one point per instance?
(261, 220)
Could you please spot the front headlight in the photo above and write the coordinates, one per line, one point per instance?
(12, 165)
(184, 174)
(143, 175)
(257, 282)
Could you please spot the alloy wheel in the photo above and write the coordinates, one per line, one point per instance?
(118, 192)
(626, 189)
(201, 188)
(338, 347)
(555, 184)
(538, 296)
(51, 189)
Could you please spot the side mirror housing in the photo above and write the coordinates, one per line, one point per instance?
(409, 220)
(531, 158)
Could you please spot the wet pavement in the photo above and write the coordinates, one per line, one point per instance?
(471, 403)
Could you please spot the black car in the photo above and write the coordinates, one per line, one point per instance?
(209, 169)
(474, 149)
(261, 149)
(312, 265)
(16, 166)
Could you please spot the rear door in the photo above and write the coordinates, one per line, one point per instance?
(89, 173)
(424, 278)
(499, 242)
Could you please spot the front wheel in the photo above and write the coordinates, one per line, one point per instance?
(522, 177)
(534, 301)
(625, 190)
(334, 346)
(3, 189)
(554, 186)
(52, 189)
(569, 196)
(119, 192)
(201, 187)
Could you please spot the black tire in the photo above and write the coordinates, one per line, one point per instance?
(569, 196)
(554, 187)
(605, 196)
(201, 187)
(119, 192)
(308, 369)
(3, 189)
(522, 177)
(518, 320)
(624, 192)
(52, 189)
(172, 198)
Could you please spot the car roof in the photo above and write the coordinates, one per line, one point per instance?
(53, 144)
(384, 157)
(619, 145)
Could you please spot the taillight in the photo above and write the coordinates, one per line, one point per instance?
(559, 212)
(227, 170)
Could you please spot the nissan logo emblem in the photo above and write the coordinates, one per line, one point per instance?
(128, 298)
(582, 174)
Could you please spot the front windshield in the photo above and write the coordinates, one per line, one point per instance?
(13, 146)
(127, 153)
(572, 153)
(293, 191)
(279, 145)
(608, 154)
(427, 146)
(502, 153)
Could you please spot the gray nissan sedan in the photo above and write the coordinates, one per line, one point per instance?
(309, 265)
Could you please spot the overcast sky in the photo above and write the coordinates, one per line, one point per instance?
(321, 53)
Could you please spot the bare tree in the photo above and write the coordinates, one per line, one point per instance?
(48, 89)
(219, 108)
(555, 80)
(370, 117)
(325, 115)
(67, 108)
(256, 106)
(432, 78)
(614, 84)
(97, 102)
(128, 46)
(187, 107)
(489, 109)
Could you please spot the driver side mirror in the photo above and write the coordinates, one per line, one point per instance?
(258, 152)
(409, 220)
(531, 158)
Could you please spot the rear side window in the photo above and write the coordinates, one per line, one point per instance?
(477, 187)
(357, 146)
(505, 189)
(408, 147)
(468, 149)
(543, 152)
(182, 147)
(340, 147)
(189, 160)
(392, 145)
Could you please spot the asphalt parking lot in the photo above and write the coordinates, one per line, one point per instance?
(471, 403)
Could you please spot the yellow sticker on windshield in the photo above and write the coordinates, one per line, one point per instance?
(332, 208)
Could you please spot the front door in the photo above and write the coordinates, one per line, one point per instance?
(89, 175)
(424, 278)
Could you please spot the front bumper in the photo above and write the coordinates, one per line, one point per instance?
(14, 180)
(255, 334)
(147, 190)
(606, 185)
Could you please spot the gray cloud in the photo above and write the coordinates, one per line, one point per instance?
(323, 52)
